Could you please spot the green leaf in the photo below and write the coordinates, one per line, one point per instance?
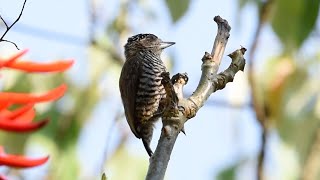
(177, 8)
(228, 174)
(293, 21)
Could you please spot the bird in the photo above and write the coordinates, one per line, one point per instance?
(143, 95)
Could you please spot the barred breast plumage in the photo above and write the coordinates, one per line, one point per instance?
(140, 85)
(150, 90)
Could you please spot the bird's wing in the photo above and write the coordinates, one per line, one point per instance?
(128, 84)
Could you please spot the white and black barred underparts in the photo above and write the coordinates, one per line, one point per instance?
(150, 91)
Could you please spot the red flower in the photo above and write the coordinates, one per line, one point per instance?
(56, 66)
(21, 119)
(20, 161)
(23, 98)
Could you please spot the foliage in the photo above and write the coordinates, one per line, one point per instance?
(177, 8)
(228, 173)
(288, 88)
(293, 21)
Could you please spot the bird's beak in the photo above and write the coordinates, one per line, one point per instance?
(164, 45)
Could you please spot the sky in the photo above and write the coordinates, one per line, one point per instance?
(218, 135)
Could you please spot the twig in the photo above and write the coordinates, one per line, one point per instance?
(9, 27)
(4, 40)
(262, 153)
(92, 11)
(259, 106)
(5, 23)
(173, 121)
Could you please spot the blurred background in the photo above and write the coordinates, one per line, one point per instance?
(88, 134)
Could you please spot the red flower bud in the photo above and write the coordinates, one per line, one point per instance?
(20, 161)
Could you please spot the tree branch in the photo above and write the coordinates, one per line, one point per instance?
(5, 23)
(172, 120)
(9, 27)
(259, 106)
(211, 63)
(4, 40)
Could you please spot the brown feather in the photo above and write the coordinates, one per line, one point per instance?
(128, 87)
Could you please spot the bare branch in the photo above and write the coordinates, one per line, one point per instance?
(210, 81)
(211, 63)
(221, 80)
(178, 81)
(257, 105)
(5, 23)
(172, 124)
(92, 11)
(4, 40)
(9, 27)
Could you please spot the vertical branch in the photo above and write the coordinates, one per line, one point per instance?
(172, 125)
(92, 12)
(175, 116)
(259, 106)
(262, 152)
(9, 27)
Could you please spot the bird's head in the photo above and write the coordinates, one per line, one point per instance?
(145, 42)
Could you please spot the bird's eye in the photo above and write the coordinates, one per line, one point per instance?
(143, 36)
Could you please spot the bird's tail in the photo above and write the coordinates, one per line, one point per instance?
(146, 136)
